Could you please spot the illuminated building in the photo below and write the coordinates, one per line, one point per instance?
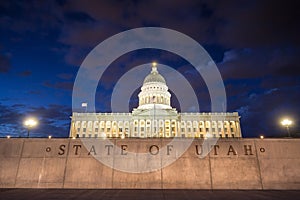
(154, 117)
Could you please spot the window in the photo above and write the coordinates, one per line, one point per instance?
(96, 129)
(201, 129)
(207, 129)
(84, 129)
(78, 129)
(96, 135)
(214, 135)
(226, 135)
(83, 135)
(231, 129)
(232, 135)
(213, 129)
(90, 135)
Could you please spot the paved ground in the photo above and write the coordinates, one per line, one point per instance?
(47, 194)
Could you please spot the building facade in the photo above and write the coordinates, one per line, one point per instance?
(154, 117)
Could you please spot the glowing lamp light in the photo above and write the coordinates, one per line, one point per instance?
(154, 64)
(261, 137)
(73, 138)
(30, 123)
(49, 136)
(8, 136)
(122, 136)
(286, 122)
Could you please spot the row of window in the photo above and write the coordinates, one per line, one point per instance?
(160, 130)
(153, 87)
(157, 135)
(154, 99)
(167, 126)
(161, 122)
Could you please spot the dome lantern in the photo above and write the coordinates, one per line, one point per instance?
(154, 91)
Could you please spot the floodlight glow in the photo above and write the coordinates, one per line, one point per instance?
(30, 123)
(286, 122)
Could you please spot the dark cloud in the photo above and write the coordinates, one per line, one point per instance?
(78, 16)
(60, 85)
(34, 92)
(25, 73)
(260, 63)
(257, 23)
(5, 64)
(23, 16)
(65, 76)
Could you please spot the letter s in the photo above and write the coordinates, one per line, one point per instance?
(62, 149)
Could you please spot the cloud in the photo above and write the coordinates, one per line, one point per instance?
(65, 76)
(259, 63)
(25, 73)
(22, 17)
(257, 23)
(5, 64)
(53, 120)
(60, 85)
(34, 92)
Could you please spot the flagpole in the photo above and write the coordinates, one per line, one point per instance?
(154, 119)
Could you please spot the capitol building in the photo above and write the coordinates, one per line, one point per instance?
(155, 118)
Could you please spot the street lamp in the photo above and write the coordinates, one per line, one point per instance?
(30, 123)
(287, 123)
(261, 137)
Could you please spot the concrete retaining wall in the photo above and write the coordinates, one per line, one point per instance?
(232, 164)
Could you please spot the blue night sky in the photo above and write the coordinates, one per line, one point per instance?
(255, 45)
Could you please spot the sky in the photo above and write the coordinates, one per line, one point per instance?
(255, 45)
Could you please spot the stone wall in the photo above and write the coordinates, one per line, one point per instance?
(72, 163)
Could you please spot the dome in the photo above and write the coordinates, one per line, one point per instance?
(154, 76)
